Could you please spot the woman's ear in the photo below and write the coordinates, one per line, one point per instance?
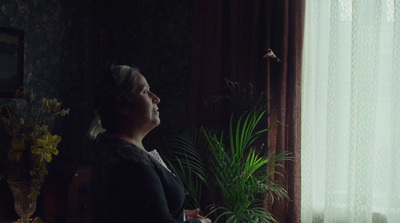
(121, 106)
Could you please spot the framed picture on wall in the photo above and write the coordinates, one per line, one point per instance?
(11, 61)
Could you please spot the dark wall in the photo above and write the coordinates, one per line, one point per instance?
(154, 35)
(69, 42)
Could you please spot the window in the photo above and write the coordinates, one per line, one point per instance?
(351, 111)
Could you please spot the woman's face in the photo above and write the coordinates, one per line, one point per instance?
(144, 113)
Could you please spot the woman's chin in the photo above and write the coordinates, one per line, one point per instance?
(156, 122)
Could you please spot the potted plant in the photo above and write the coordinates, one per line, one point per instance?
(230, 169)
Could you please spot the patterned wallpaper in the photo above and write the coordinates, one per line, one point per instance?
(44, 31)
(68, 42)
(52, 64)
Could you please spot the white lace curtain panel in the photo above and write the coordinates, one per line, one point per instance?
(351, 112)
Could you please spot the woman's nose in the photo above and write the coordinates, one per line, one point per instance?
(156, 99)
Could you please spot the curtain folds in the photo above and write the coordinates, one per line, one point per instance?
(284, 87)
(350, 112)
(229, 40)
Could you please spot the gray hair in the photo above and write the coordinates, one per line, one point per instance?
(124, 80)
(120, 83)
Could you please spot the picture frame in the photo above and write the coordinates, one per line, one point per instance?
(11, 61)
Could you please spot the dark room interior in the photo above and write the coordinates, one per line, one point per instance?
(186, 49)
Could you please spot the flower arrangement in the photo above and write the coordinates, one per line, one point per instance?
(29, 123)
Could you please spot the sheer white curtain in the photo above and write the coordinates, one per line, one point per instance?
(351, 111)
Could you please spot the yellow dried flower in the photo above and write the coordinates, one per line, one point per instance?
(17, 148)
(64, 112)
(45, 146)
(44, 128)
(29, 122)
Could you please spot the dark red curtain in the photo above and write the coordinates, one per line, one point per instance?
(229, 39)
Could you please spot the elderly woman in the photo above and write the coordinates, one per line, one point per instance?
(130, 184)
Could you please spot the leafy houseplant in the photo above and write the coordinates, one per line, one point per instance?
(28, 122)
(233, 171)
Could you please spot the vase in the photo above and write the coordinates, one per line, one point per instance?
(25, 195)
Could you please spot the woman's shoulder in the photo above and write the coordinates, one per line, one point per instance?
(123, 150)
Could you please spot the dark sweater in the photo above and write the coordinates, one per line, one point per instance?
(128, 185)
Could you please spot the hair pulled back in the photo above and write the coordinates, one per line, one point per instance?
(118, 82)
